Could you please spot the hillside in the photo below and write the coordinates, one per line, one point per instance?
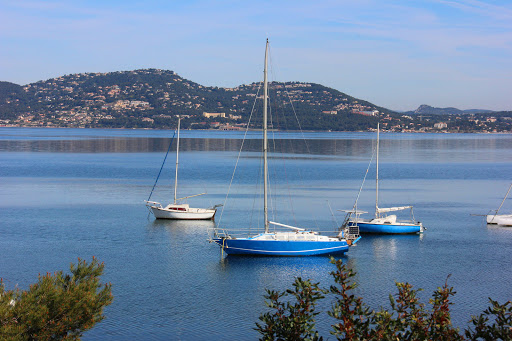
(153, 98)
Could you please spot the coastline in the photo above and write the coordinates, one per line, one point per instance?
(370, 130)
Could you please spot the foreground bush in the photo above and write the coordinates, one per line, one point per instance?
(408, 319)
(57, 307)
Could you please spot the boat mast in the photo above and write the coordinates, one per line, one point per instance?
(177, 152)
(377, 176)
(265, 142)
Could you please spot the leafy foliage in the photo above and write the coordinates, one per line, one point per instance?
(495, 323)
(292, 321)
(408, 318)
(57, 307)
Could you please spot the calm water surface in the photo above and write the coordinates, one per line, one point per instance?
(69, 193)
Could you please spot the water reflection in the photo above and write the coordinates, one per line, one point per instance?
(182, 227)
(280, 269)
(143, 145)
(395, 148)
(387, 247)
(499, 228)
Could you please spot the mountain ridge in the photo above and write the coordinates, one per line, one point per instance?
(425, 109)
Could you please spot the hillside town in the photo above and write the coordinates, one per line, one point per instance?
(153, 99)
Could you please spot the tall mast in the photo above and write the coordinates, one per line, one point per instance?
(265, 142)
(177, 152)
(377, 176)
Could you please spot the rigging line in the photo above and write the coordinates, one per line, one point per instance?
(273, 204)
(285, 171)
(163, 163)
(332, 215)
(291, 144)
(364, 179)
(277, 101)
(257, 195)
(297, 119)
(505, 198)
(273, 200)
(302, 134)
(292, 208)
(239, 153)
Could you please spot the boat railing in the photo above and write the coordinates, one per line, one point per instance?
(351, 232)
(219, 233)
(351, 216)
(214, 207)
(151, 203)
(408, 221)
(247, 232)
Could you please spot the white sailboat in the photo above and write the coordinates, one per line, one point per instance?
(383, 223)
(298, 241)
(500, 219)
(178, 210)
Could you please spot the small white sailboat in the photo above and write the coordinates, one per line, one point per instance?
(299, 241)
(178, 210)
(500, 219)
(383, 223)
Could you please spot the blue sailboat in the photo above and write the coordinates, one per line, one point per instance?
(383, 223)
(298, 241)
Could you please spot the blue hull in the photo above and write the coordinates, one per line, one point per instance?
(388, 228)
(247, 246)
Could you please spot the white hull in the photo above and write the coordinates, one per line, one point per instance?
(500, 219)
(182, 212)
(193, 213)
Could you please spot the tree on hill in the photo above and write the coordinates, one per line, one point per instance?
(57, 307)
(12, 98)
(408, 319)
(8, 88)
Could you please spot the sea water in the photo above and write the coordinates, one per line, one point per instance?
(78, 193)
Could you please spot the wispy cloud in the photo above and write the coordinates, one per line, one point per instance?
(495, 12)
(219, 43)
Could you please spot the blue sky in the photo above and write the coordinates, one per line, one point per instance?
(396, 54)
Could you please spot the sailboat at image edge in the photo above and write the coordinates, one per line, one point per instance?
(382, 223)
(299, 242)
(176, 210)
(500, 219)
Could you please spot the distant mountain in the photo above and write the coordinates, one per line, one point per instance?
(428, 110)
(478, 111)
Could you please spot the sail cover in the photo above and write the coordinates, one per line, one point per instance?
(392, 209)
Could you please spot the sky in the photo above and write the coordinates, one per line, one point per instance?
(395, 54)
